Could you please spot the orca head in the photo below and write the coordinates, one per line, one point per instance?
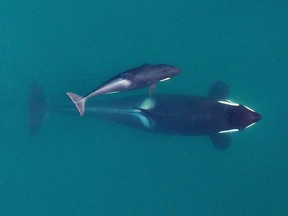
(239, 117)
(166, 71)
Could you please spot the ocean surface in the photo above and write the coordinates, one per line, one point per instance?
(88, 166)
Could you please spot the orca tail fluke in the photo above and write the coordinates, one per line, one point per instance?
(79, 102)
(38, 108)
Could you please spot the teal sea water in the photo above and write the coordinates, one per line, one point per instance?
(85, 166)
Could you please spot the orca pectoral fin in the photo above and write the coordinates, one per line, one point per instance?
(221, 141)
(152, 89)
(219, 91)
(145, 120)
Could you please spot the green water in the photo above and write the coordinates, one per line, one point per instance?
(82, 166)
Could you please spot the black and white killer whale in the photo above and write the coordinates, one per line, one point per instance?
(172, 114)
(140, 77)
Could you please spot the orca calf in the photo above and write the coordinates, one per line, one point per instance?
(140, 77)
(174, 114)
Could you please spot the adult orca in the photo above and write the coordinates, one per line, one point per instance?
(174, 114)
(140, 77)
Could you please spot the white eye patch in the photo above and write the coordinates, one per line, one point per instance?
(251, 125)
(227, 102)
(229, 131)
(165, 79)
(249, 109)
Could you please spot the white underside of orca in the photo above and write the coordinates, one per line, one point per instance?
(145, 121)
(113, 87)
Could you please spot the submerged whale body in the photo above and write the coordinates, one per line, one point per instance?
(176, 114)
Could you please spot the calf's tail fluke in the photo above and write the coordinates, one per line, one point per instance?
(79, 102)
(38, 108)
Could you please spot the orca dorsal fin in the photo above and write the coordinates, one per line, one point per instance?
(219, 91)
(152, 89)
